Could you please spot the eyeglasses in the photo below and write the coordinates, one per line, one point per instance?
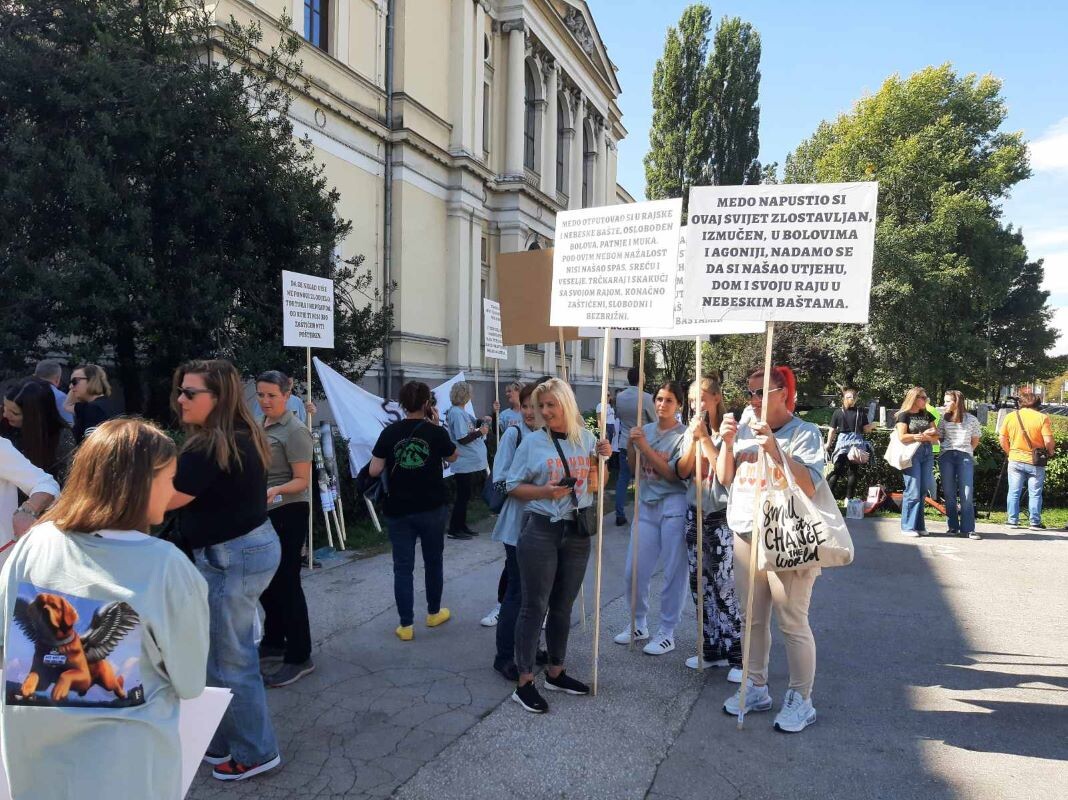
(191, 394)
(76, 381)
(760, 392)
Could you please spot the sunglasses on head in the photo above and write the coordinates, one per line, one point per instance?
(191, 394)
(760, 392)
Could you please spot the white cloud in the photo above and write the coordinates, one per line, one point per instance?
(1049, 152)
(1046, 238)
(1055, 268)
(1060, 322)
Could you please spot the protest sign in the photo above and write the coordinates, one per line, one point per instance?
(524, 286)
(789, 252)
(614, 266)
(491, 329)
(307, 311)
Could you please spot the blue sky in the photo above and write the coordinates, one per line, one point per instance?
(819, 57)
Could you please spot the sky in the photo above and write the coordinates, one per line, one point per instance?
(820, 56)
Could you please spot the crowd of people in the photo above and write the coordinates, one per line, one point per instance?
(187, 560)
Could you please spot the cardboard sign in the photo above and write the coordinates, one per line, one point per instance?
(614, 266)
(524, 287)
(307, 311)
(491, 329)
(791, 252)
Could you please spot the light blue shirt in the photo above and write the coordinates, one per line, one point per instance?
(509, 418)
(294, 404)
(714, 497)
(653, 486)
(472, 456)
(61, 398)
(536, 461)
(510, 518)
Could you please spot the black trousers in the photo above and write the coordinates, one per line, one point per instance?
(285, 609)
(465, 483)
(843, 467)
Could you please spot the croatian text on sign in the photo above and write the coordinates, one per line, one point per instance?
(491, 329)
(307, 311)
(615, 266)
(800, 252)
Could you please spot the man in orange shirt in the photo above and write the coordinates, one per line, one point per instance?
(1024, 431)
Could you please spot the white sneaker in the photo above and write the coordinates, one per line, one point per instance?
(691, 662)
(640, 635)
(735, 675)
(796, 713)
(757, 698)
(663, 643)
(491, 618)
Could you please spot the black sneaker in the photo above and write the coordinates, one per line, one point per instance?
(564, 683)
(541, 658)
(289, 673)
(621, 520)
(234, 771)
(459, 535)
(527, 696)
(1037, 526)
(508, 670)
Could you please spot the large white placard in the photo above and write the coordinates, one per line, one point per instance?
(613, 267)
(307, 311)
(491, 329)
(792, 252)
(688, 326)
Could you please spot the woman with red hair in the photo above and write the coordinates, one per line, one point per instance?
(795, 445)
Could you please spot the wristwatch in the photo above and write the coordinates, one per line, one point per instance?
(25, 509)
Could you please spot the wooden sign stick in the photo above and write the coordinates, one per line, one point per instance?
(601, 475)
(311, 489)
(699, 576)
(497, 397)
(637, 492)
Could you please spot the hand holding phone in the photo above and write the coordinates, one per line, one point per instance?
(567, 482)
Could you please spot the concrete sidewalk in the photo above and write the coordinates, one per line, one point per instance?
(943, 672)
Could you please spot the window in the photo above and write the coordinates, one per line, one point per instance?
(561, 147)
(486, 117)
(586, 350)
(529, 127)
(484, 255)
(617, 356)
(316, 22)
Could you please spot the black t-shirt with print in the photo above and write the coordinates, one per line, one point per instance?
(413, 450)
(916, 422)
(849, 420)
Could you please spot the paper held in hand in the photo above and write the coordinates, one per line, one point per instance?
(790, 252)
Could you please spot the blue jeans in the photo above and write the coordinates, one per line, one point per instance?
(919, 481)
(510, 605)
(237, 573)
(428, 527)
(622, 483)
(1035, 478)
(958, 485)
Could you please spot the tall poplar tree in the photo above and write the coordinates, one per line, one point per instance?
(732, 86)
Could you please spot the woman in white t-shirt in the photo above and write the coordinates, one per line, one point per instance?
(960, 433)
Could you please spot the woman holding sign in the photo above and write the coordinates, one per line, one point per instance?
(791, 444)
(553, 473)
(661, 528)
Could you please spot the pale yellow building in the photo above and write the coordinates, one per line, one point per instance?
(503, 113)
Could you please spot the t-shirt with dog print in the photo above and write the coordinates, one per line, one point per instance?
(101, 637)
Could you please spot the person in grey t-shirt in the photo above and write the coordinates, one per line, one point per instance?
(626, 418)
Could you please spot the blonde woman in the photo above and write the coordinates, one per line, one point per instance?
(915, 424)
(469, 436)
(554, 473)
(88, 399)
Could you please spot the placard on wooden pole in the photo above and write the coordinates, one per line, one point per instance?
(602, 472)
(634, 528)
(700, 553)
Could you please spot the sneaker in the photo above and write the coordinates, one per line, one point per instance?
(910, 534)
(974, 535)
(735, 675)
(233, 771)
(691, 662)
(508, 670)
(663, 643)
(405, 632)
(1037, 526)
(564, 683)
(640, 635)
(951, 532)
(528, 697)
(268, 653)
(289, 673)
(490, 620)
(440, 618)
(621, 520)
(1014, 523)
(459, 535)
(757, 698)
(796, 713)
(922, 532)
(215, 760)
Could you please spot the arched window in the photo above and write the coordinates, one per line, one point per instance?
(530, 126)
(562, 159)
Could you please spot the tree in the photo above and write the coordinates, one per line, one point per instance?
(948, 274)
(732, 85)
(153, 192)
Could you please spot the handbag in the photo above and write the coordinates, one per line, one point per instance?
(494, 493)
(585, 518)
(858, 453)
(1039, 455)
(797, 531)
(898, 454)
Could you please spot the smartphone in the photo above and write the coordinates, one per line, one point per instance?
(568, 482)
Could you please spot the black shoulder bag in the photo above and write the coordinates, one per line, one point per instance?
(494, 493)
(1039, 455)
(585, 518)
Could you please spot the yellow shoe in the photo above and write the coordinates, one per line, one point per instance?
(405, 632)
(433, 620)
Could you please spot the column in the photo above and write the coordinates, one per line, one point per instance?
(600, 166)
(513, 149)
(457, 294)
(461, 75)
(575, 184)
(476, 354)
(548, 139)
(479, 84)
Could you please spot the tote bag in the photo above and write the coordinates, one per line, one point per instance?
(898, 455)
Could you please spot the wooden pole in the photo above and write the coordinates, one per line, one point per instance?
(563, 356)
(311, 489)
(699, 577)
(497, 397)
(601, 475)
(769, 338)
(637, 493)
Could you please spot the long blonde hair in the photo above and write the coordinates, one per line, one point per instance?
(566, 398)
(910, 398)
(717, 411)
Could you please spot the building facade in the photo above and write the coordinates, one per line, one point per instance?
(455, 130)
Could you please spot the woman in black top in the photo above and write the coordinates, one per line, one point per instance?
(914, 424)
(221, 491)
(88, 399)
(44, 437)
(410, 454)
(848, 426)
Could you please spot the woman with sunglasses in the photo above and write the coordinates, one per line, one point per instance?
(791, 444)
(221, 491)
(661, 528)
(915, 424)
(88, 399)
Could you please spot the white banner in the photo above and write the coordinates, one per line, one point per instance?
(790, 252)
(614, 266)
(617, 333)
(307, 311)
(491, 329)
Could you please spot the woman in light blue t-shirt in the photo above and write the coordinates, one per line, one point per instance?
(661, 525)
(469, 435)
